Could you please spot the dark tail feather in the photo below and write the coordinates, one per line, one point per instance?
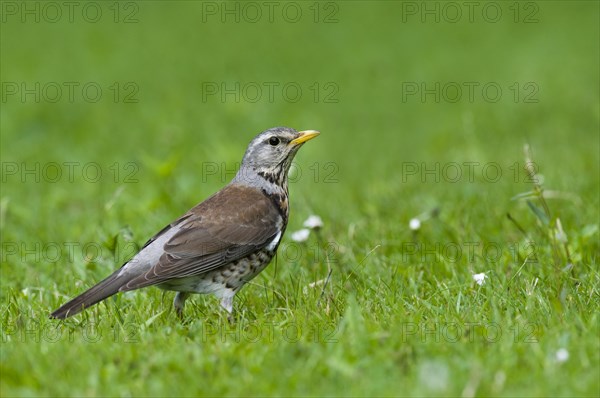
(101, 291)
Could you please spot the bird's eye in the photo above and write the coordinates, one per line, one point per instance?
(274, 141)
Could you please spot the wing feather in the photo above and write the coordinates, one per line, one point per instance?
(230, 225)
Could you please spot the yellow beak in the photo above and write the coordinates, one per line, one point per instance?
(305, 136)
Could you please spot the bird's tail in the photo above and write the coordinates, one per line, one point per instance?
(99, 292)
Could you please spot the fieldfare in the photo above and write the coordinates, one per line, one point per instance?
(222, 243)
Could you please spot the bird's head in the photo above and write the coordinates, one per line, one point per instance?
(270, 154)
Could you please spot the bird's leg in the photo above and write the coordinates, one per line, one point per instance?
(179, 303)
(227, 303)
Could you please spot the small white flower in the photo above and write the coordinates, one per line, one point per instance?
(414, 224)
(313, 222)
(479, 278)
(300, 235)
(562, 355)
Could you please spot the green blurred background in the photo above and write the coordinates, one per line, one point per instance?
(164, 56)
(168, 54)
(156, 63)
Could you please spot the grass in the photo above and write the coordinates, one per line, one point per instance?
(400, 314)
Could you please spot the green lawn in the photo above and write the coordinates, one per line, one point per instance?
(116, 118)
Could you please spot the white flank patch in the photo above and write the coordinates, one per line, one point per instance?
(274, 242)
(149, 256)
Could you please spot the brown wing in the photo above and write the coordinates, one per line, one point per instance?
(229, 225)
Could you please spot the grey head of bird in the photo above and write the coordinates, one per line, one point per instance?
(269, 156)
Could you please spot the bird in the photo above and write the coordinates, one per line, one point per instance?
(220, 244)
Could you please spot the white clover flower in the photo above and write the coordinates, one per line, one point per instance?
(300, 235)
(562, 355)
(313, 222)
(480, 278)
(414, 224)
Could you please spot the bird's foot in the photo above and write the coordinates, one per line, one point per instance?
(179, 304)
